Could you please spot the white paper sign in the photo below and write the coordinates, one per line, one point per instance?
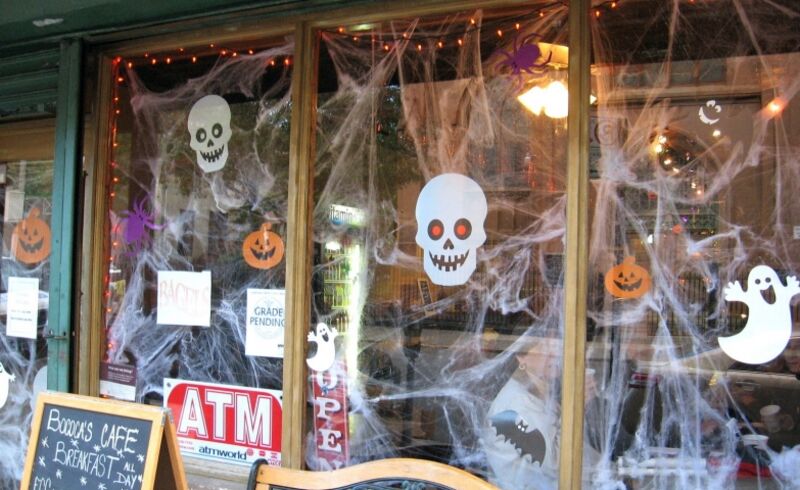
(266, 316)
(797, 232)
(23, 307)
(184, 298)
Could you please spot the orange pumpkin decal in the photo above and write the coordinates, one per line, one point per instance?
(627, 280)
(30, 242)
(262, 249)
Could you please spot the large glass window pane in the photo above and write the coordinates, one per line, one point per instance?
(197, 200)
(438, 243)
(694, 244)
(26, 205)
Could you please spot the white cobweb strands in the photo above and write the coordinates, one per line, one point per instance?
(398, 106)
(19, 358)
(197, 218)
(693, 174)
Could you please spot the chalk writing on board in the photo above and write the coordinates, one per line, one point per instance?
(82, 449)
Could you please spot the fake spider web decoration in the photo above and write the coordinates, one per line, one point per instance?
(666, 399)
(170, 214)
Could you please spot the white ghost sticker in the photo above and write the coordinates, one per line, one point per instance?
(769, 320)
(5, 380)
(451, 211)
(210, 130)
(326, 352)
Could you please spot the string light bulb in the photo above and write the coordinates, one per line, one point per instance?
(775, 106)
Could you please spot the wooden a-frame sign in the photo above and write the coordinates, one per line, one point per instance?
(79, 442)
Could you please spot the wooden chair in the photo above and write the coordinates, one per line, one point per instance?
(384, 474)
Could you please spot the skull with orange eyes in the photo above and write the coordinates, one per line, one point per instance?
(451, 210)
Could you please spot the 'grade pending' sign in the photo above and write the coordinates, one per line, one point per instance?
(266, 319)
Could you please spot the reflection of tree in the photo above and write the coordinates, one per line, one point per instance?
(381, 131)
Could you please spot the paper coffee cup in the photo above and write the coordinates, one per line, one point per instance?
(756, 440)
(770, 416)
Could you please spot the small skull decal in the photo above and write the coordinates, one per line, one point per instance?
(451, 210)
(210, 131)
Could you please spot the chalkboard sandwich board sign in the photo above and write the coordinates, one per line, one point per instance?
(80, 442)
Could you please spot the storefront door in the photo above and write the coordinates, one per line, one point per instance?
(26, 206)
(193, 285)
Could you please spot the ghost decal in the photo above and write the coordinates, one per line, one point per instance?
(210, 131)
(712, 105)
(5, 380)
(451, 210)
(769, 320)
(326, 351)
(514, 430)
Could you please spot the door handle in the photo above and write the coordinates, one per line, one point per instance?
(52, 336)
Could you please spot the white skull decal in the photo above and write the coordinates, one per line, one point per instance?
(210, 130)
(451, 210)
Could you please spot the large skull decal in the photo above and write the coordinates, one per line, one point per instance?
(451, 210)
(210, 130)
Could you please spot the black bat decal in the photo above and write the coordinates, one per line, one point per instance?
(514, 430)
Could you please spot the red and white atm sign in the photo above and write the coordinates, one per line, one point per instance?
(229, 423)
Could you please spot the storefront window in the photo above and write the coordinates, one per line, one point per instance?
(197, 198)
(694, 251)
(26, 187)
(438, 239)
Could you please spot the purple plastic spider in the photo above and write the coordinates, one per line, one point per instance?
(522, 58)
(136, 223)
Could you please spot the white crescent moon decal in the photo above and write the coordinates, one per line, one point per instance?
(712, 104)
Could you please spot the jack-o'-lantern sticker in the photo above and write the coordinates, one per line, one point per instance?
(263, 249)
(30, 242)
(627, 280)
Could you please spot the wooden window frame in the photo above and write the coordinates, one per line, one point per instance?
(306, 27)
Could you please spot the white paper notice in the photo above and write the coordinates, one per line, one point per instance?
(23, 307)
(184, 298)
(265, 322)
